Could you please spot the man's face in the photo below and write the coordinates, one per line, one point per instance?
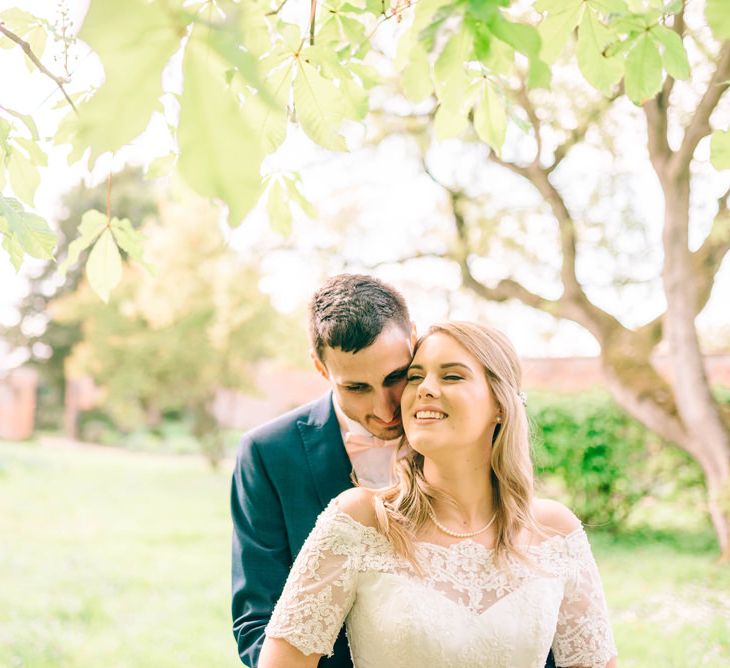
(368, 384)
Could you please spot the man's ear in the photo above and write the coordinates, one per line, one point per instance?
(414, 335)
(321, 368)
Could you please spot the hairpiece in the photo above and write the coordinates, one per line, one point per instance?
(523, 398)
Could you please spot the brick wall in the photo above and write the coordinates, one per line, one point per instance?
(17, 404)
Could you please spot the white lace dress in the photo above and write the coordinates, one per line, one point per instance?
(464, 612)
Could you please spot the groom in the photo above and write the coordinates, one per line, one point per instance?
(288, 470)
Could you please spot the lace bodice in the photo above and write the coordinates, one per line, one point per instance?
(461, 610)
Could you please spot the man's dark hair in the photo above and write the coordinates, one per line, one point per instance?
(350, 310)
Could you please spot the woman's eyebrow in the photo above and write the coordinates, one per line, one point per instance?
(448, 365)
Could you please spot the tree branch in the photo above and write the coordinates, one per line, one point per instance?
(274, 12)
(419, 255)
(699, 126)
(579, 133)
(36, 61)
(312, 21)
(524, 99)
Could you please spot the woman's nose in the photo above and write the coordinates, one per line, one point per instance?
(427, 388)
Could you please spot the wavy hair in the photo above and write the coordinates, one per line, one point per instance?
(405, 507)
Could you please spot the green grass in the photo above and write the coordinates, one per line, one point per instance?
(118, 559)
(113, 559)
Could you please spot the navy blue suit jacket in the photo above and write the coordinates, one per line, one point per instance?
(287, 471)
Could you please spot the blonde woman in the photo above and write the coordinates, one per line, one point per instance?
(458, 564)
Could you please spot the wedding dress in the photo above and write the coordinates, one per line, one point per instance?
(460, 611)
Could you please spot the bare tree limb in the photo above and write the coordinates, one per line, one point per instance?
(420, 255)
(36, 61)
(524, 99)
(660, 152)
(699, 126)
(679, 27)
(709, 256)
(579, 133)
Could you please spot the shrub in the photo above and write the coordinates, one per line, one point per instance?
(601, 462)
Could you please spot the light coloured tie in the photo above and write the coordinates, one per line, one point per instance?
(357, 443)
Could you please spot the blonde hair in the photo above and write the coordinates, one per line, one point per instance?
(405, 507)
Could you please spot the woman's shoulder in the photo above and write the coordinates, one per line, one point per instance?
(555, 517)
(359, 504)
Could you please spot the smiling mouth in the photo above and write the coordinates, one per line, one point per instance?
(430, 415)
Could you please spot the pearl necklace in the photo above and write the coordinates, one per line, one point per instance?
(457, 534)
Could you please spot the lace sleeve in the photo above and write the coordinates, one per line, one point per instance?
(583, 636)
(320, 588)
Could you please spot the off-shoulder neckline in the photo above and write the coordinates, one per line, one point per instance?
(461, 544)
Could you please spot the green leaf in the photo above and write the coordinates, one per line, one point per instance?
(104, 266)
(255, 28)
(91, 226)
(14, 249)
(35, 153)
(720, 149)
(272, 121)
(557, 26)
(135, 40)
(227, 43)
(24, 176)
(674, 57)
(320, 107)
(520, 36)
(601, 72)
(717, 14)
(449, 123)
(609, 6)
(280, 215)
(490, 118)
(416, 76)
(292, 186)
(26, 230)
(353, 94)
(127, 238)
(450, 77)
(539, 74)
(26, 119)
(220, 153)
(643, 70)
(161, 166)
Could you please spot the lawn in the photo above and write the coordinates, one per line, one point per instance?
(118, 559)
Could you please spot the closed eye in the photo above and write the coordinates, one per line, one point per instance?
(453, 377)
(413, 377)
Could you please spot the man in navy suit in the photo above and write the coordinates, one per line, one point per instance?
(289, 469)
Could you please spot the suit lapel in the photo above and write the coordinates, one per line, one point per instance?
(328, 461)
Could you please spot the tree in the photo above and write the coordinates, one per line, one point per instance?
(169, 338)
(47, 342)
(476, 66)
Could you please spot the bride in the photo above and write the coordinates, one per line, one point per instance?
(457, 564)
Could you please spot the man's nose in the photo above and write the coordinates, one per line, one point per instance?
(386, 405)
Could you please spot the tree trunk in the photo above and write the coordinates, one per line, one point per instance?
(707, 436)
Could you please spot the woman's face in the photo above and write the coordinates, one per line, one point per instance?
(447, 401)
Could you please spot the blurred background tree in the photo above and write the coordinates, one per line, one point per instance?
(171, 336)
(47, 342)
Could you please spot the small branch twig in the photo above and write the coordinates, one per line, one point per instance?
(524, 100)
(41, 67)
(274, 12)
(312, 21)
(699, 126)
(109, 200)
